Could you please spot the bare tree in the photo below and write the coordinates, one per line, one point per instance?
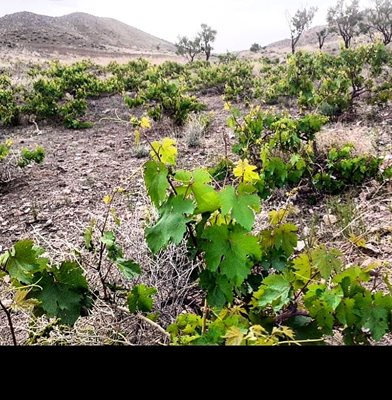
(345, 20)
(321, 36)
(380, 19)
(207, 36)
(298, 23)
(188, 47)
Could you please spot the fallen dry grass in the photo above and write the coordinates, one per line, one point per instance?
(338, 135)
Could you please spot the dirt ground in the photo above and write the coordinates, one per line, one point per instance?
(58, 197)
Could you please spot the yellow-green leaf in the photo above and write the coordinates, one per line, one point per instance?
(107, 199)
(303, 270)
(277, 217)
(164, 151)
(246, 172)
(145, 123)
(234, 336)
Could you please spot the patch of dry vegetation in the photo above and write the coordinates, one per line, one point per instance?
(338, 135)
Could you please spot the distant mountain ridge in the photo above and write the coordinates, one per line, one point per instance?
(77, 32)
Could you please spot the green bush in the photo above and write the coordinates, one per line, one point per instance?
(9, 109)
(282, 148)
(130, 76)
(342, 169)
(61, 92)
(11, 159)
(164, 97)
(29, 156)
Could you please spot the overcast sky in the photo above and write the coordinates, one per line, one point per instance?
(239, 22)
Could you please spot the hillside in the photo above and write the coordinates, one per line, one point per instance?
(308, 41)
(76, 33)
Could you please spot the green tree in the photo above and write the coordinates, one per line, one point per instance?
(255, 47)
(298, 23)
(380, 19)
(189, 48)
(345, 20)
(207, 36)
(321, 36)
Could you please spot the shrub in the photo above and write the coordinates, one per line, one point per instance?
(11, 160)
(341, 168)
(196, 128)
(164, 97)
(9, 110)
(255, 48)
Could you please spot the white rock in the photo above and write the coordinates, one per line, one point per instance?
(329, 219)
(300, 245)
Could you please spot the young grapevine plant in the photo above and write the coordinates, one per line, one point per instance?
(11, 159)
(283, 149)
(57, 290)
(259, 290)
(31, 283)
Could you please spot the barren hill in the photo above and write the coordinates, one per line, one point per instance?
(76, 33)
(309, 41)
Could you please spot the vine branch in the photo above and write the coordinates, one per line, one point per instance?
(10, 323)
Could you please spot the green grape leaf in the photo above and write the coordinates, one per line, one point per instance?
(205, 195)
(305, 328)
(130, 269)
(286, 238)
(277, 217)
(201, 176)
(186, 329)
(381, 300)
(324, 316)
(88, 236)
(332, 298)
(219, 289)
(302, 270)
(274, 291)
(276, 170)
(24, 261)
(377, 322)
(157, 184)
(378, 314)
(234, 336)
(326, 261)
(346, 313)
(355, 274)
(64, 292)
(108, 239)
(171, 225)
(71, 274)
(183, 176)
(322, 303)
(113, 250)
(206, 198)
(230, 251)
(242, 207)
(363, 303)
(140, 298)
